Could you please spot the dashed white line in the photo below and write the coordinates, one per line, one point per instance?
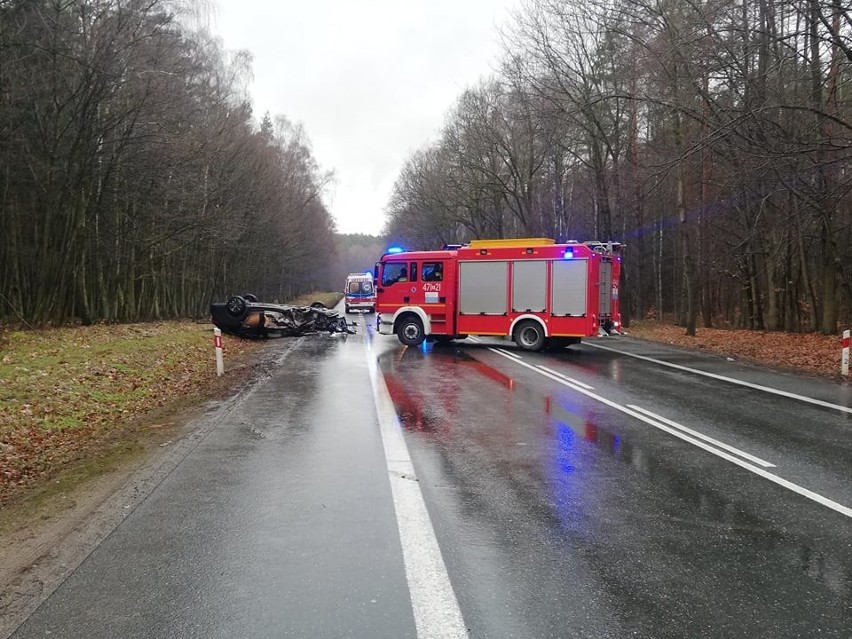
(804, 492)
(436, 610)
(765, 389)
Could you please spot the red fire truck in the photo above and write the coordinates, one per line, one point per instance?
(533, 290)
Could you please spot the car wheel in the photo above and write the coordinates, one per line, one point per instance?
(236, 306)
(318, 305)
(250, 298)
(529, 335)
(347, 309)
(410, 331)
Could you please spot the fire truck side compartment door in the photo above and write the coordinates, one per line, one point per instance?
(568, 291)
(529, 286)
(605, 307)
(482, 288)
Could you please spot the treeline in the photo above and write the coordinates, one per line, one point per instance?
(356, 253)
(134, 181)
(713, 137)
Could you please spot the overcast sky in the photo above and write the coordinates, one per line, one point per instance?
(370, 80)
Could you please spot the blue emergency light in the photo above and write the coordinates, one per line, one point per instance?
(569, 254)
(395, 249)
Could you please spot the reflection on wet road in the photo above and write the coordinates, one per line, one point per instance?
(556, 512)
(554, 509)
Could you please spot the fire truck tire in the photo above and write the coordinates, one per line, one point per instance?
(529, 335)
(409, 330)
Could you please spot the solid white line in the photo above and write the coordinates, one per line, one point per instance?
(765, 389)
(573, 381)
(436, 610)
(509, 353)
(702, 436)
(804, 492)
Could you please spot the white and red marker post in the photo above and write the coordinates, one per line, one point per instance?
(844, 354)
(217, 346)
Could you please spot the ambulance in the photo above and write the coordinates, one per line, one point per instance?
(359, 292)
(531, 290)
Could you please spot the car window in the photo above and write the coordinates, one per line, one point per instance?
(394, 272)
(433, 271)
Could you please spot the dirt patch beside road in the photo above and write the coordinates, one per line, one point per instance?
(809, 353)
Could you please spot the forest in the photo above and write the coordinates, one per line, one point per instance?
(135, 181)
(712, 137)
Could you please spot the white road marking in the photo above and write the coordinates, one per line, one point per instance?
(573, 381)
(504, 352)
(702, 436)
(436, 610)
(804, 492)
(474, 339)
(765, 389)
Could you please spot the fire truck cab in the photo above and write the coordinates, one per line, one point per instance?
(359, 292)
(533, 290)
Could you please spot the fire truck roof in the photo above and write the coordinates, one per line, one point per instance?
(504, 248)
(512, 243)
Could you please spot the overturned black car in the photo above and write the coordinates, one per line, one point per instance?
(246, 317)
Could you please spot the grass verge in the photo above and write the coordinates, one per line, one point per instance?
(74, 402)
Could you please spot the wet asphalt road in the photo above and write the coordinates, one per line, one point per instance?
(558, 512)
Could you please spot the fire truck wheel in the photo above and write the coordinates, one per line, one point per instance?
(529, 335)
(410, 330)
